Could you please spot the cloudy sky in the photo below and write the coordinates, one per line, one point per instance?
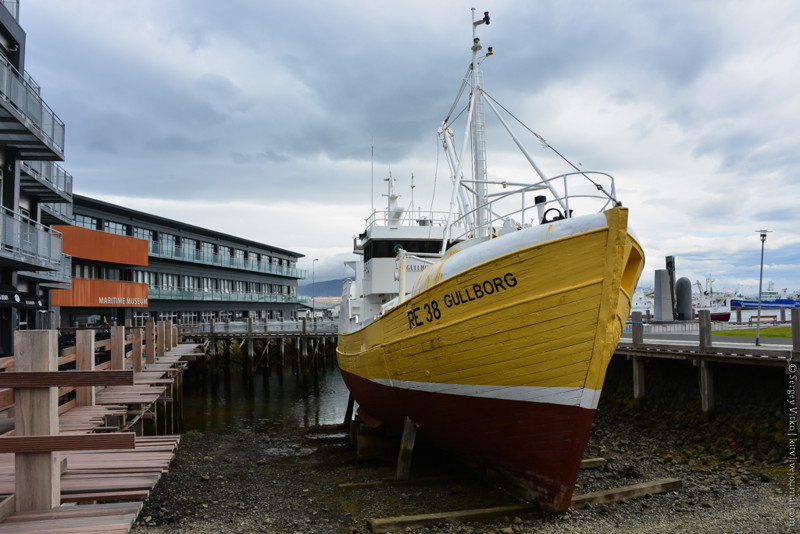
(258, 118)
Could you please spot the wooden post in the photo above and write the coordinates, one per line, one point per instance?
(705, 330)
(37, 475)
(783, 314)
(706, 385)
(117, 348)
(168, 335)
(84, 361)
(738, 315)
(136, 354)
(348, 414)
(250, 349)
(175, 336)
(637, 329)
(638, 377)
(161, 339)
(406, 449)
(150, 341)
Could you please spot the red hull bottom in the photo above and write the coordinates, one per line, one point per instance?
(538, 446)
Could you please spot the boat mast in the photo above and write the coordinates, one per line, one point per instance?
(478, 133)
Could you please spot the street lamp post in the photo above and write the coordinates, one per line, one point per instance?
(763, 234)
(313, 290)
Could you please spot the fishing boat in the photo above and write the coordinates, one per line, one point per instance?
(490, 324)
(717, 304)
(771, 299)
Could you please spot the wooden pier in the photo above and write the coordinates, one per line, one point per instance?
(71, 425)
(309, 342)
(705, 353)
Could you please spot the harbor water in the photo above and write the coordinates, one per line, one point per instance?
(219, 399)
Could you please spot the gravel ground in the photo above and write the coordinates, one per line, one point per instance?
(735, 479)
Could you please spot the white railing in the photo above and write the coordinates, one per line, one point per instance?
(514, 205)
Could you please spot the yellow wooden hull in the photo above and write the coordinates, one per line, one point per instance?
(529, 333)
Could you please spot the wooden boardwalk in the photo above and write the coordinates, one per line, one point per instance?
(149, 375)
(704, 352)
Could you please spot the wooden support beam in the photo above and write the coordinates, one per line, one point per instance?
(84, 361)
(638, 377)
(48, 379)
(392, 524)
(7, 507)
(150, 341)
(37, 479)
(117, 348)
(168, 333)
(592, 463)
(637, 329)
(348, 413)
(136, 353)
(406, 449)
(67, 442)
(706, 386)
(705, 330)
(161, 339)
(626, 492)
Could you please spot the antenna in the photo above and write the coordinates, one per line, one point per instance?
(372, 179)
(411, 207)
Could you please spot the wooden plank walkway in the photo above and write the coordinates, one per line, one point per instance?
(89, 476)
(85, 519)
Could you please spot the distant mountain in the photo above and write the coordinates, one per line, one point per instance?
(327, 288)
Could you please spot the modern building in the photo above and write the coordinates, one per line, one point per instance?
(190, 274)
(35, 193)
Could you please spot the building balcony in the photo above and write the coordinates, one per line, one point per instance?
(174, 293)
(13, 7)
(56, 213)
(28, 245)
(53, 279)
(217, 260)
(46, 180)
(26, 122)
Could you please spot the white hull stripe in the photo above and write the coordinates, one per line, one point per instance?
(577, 396)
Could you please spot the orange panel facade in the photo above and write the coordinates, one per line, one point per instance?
(102, 246)
(101, 293)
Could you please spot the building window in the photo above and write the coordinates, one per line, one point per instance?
(115, 228)
(143, 233)
(208, 252)
(84, 222)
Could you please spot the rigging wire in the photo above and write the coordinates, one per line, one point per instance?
(464, 83)
(545, 144)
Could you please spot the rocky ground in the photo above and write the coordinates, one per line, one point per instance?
(734, 472)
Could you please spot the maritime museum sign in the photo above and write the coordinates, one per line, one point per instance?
(432, 311)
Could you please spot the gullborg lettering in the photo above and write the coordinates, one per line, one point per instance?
(432, 311)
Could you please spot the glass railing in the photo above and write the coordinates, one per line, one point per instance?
(175, 293)
(61, 276)
(62, 210)
(26, 240)
(13, 7)
(51, 173)
(23, 95)
(172, 252)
